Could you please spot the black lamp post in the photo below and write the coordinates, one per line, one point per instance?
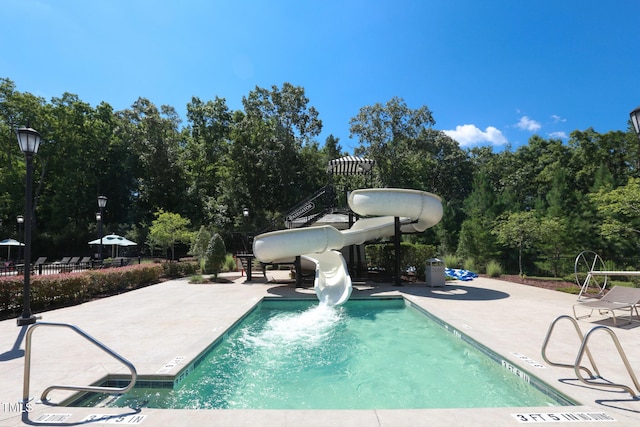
(20, 220)
(29, 141)
(102, 202)
(635, 119)
(245, 233)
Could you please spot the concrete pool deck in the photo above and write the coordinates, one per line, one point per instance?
(162, 327)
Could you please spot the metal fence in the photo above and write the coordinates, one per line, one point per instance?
(59, 268)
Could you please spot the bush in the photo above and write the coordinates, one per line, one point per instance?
(115, 280)
(174, 270)
(230, 263)
(216, 255)
(494, 269)
(450, 261)
(60, 290)
(469, 264)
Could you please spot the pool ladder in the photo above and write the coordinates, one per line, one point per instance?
(97, 389)
(584, 349)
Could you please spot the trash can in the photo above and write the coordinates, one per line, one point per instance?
(434, 272)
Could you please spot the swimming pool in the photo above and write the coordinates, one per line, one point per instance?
(366, 354)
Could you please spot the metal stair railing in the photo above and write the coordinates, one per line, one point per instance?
(621, 353)
(579, 333)
(584, 349)
(97, 389)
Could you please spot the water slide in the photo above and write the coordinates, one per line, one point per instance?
(417, 210)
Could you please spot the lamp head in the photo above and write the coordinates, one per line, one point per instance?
(635, 119)
(102, 201)
(29, 140)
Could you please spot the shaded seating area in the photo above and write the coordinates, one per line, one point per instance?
(618, 298)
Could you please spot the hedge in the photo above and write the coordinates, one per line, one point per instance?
(60, 290)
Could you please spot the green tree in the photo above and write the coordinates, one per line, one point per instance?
(476, 240)
(154, 139)
(273, 160)
(204, 155)
(216, 255)
(620, 209)
(168, 229)
(199, 245)
(385, 132)
(519, 230)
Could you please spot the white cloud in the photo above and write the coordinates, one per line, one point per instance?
(467, 135)
(558, 135)
(526, 123)
(557, 119)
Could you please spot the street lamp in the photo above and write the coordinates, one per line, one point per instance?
(635, 119)
(20, 220)
(102, 202)
(29, 141)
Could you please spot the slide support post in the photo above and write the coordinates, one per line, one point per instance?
(396, 241)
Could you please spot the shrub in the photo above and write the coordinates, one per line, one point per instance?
(230, 263)
(469, 264)
(494, 269)
(60, 290)
(450, 261)
(216, 255)
(174, 270)
(115, 280)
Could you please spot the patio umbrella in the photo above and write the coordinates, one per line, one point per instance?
(113, 240)
(8, 243)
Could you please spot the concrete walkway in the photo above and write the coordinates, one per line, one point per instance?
(161, 328)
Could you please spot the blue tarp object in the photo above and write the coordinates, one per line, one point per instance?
(464, 275)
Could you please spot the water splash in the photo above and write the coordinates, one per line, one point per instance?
(307, 329)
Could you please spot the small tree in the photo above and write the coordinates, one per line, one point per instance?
(216, 255)
(167, 230)
(518, 230)
(200, 244)
(620, 208)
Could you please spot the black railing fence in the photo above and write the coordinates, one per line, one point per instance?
(59, 267)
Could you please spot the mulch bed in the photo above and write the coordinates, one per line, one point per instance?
(540, 283)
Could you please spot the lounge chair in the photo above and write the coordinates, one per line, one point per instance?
(74, 260)
(618, 298)
(64, 260)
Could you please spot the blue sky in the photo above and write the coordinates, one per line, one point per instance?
(492, 71)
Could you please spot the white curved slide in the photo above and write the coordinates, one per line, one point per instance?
(417, 210)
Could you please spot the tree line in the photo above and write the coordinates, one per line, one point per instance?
(526, 208)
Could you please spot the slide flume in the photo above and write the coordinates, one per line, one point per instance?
(417, 210)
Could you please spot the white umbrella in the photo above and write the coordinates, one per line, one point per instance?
(8, 243)
(113, 240)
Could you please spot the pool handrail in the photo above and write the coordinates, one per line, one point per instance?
(577, 367)
(623, 356)
(579, 333)
(97, 389)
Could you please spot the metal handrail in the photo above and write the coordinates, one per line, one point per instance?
(97, 389)
(586, 349)
(623, 356)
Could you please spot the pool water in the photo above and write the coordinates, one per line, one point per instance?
(362, 355)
